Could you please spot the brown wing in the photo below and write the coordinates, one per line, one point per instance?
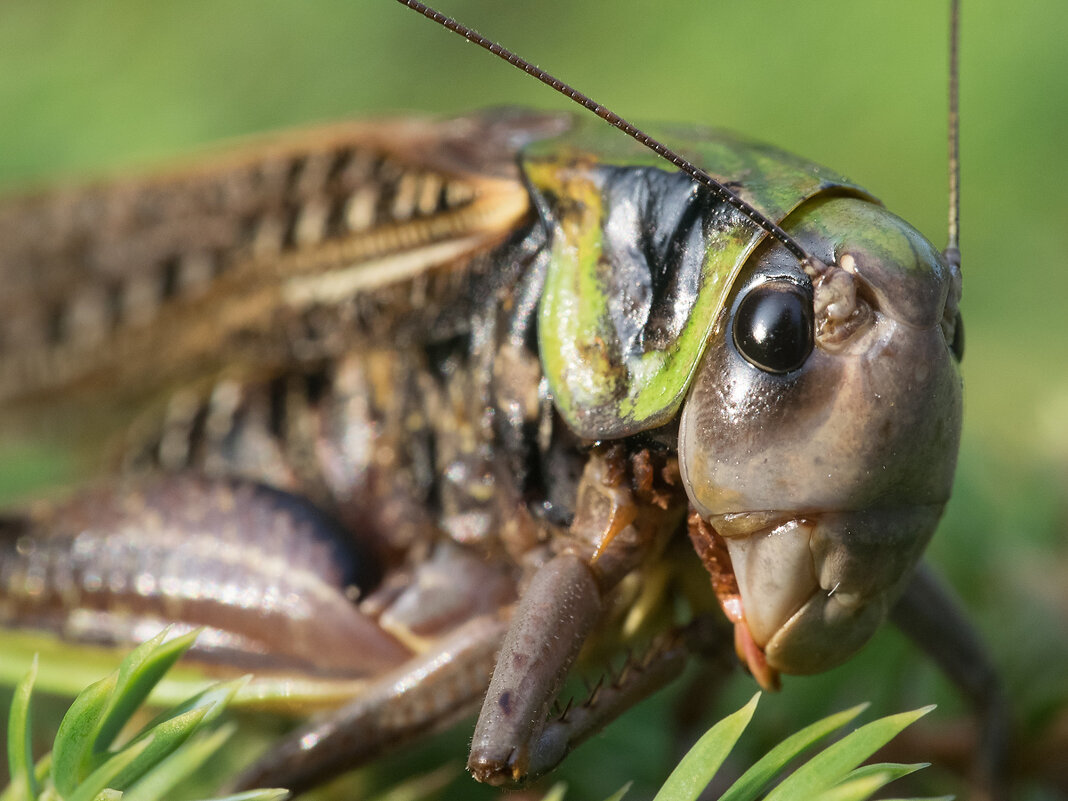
(127, 284)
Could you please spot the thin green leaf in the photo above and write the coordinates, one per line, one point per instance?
(701, 762)
(755, 780)
(104, 777)
(271, 794)
(873, 777)
(858, 789)
(829, 767)
(137, 675)
(42, 770)
(68, 668)
(175, 726)
(556, 792)
(893, 769)
(19, 742)
(163, 740)
(212, 701)
(932, 798)
(165, 776)
(618, 794)
(155, 758)
(72, 751)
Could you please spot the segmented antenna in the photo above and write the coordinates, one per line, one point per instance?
(952, 251)
(812, 264)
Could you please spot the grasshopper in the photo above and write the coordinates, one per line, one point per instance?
(420, 410)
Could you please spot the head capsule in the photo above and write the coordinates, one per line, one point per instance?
(820, 434)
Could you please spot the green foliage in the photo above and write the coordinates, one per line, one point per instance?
(834, 774)
(150, 764)
(702, 761)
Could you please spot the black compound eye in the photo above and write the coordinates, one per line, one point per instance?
(773, 327)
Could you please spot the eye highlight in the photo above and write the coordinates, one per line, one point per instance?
(773, 327)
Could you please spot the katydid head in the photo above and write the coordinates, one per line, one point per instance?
(820, 431)
(820, 435)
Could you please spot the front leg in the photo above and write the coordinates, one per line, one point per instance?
(558, 610)
(930, 615)
(620, 522)
(514, 741)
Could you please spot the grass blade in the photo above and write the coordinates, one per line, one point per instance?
(19, 741)
(859, 789)
(555, 793)
(137, 675)
(701, 762)
(872, 777)
(151, 765)
(163, 740)
(173, 728)
(72, 751)
(99, 712)
(618, 794)
(751, 783)
(831, 766)
(103, 778)
(177, 766)
(211, 702)
(894, 770)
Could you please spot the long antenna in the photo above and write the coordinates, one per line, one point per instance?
(662, 150)
(952, 251)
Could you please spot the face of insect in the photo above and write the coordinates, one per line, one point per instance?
(820, 435)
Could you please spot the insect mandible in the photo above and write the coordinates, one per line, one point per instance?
(410, 413)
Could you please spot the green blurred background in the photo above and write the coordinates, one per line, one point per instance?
(859, 86)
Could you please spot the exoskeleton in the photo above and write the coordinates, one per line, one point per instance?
(418, 408)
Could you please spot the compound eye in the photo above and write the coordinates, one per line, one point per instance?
(773, 326)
